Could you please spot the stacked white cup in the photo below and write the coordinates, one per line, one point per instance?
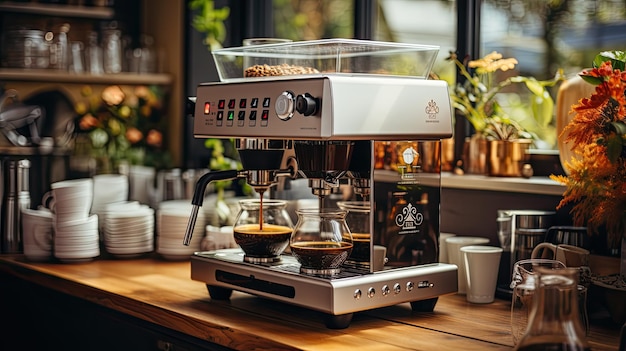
(76, 236)
(108, 189)
(454, 245)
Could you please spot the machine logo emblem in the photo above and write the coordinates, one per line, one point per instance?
(432, 110)
(409, 218)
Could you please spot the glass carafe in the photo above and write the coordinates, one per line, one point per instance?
(321, 241)
(523, 286)
(262, 229)
(554, 322)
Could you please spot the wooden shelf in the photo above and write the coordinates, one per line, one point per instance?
(49, 75)
(57, 10)
(532, 185)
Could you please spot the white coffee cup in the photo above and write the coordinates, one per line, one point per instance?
(109, 188)
(454, 245)
(570, 255)
(481, 265)
(443, 247)
(70, 199)
(37, 234)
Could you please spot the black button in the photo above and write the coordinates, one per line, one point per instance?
(231, 103)
(220, 115)
(266, 102)
(253, 115)
(241, 115)
(254, 103)
(265, 115)
(221, 104)
(242, 103)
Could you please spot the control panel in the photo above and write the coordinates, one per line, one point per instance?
(260, 109)
(326, 107)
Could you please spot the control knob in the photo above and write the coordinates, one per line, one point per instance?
(306, 104)
(285, 105)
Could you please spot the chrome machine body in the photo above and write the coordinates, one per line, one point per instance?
(328, 126)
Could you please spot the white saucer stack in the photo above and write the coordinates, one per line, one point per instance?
(128, 229)
(172, 219)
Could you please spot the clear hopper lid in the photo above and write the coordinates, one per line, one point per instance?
(328, 56)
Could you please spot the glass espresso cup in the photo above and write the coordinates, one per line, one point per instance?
(358, 220)
(262, 230)
(321, 241)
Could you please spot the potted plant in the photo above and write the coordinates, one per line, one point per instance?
(596, 183)
(500, 136)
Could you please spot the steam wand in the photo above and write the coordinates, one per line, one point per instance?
(259, 179)
(198, 197)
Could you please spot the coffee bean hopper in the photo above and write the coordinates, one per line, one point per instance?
(318, 110)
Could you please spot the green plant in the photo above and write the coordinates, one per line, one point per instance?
(210, 21)
(477, 98)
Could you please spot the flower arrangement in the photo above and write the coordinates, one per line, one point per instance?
(596, 185)
(124, 125)
(477, 98)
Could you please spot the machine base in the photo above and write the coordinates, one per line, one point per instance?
(339, 297)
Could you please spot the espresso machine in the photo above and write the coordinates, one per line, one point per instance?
(323, 124)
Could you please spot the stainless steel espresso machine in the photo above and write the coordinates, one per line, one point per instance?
(316, 110)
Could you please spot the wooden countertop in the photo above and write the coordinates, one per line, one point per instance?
(162, 292)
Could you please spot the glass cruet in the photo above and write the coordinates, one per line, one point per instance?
(554, 322)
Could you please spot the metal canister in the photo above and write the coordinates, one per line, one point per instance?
(16, 196)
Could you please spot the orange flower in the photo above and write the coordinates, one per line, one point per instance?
(154, 138)
(113, 95)
(88, 121)
(133, 135)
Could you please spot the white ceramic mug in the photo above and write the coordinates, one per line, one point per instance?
(570, 255)
(37, 234)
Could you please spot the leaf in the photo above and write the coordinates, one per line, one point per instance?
(617, 58)
(534, 86)
(614, 147)
(591, 79)
(618, 127)
(542, 107)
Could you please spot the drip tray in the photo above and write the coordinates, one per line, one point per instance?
(353, 289)
(287, 264)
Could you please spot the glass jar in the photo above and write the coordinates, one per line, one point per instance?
(262, 229)
(27, 49)
(554, 322)
(321, 241)
(112, 50)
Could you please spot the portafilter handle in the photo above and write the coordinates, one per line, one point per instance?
(198, 197)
